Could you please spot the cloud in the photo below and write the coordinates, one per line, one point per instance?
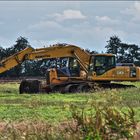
(1, 22)
(49, 32)
(6, 42)
(106, 20)
(44, 24)
(137, 6)
(133, 11)
(69, 14)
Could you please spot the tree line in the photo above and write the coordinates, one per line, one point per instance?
(124, 52)
(27, 68)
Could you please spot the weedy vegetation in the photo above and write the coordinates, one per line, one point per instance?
(101, 115)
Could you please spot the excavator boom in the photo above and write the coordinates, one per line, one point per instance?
(59, 51)
(55, 51)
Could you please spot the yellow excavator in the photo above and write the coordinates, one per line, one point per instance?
(74, 69)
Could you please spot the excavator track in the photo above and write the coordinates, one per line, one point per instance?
(87, 87)
(116, 85)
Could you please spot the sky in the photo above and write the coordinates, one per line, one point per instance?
(88, 24)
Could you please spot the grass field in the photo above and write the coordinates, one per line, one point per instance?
(55, 108)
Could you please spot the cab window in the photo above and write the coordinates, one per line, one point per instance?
(74, 67)
(101, 64)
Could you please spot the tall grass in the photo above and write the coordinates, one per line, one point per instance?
(105, 114)
(94, 120)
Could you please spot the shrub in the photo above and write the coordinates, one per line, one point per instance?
(103, 121)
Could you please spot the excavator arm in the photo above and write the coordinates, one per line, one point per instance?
(59, 51)
(55, 51)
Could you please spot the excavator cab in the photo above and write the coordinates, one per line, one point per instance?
(103, 68)
(101, 63)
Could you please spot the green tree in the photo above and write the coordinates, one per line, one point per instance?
(2, 53)
(125, 53)
(91, 52)
(21, 43)
(113, 45)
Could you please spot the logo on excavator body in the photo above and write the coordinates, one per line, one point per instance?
(43, 56)
(120, 72)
